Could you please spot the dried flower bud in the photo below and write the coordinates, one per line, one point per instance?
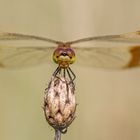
(59, 103)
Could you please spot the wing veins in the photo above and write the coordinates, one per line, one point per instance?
(16, 36)
(132, 37)
(14, 57)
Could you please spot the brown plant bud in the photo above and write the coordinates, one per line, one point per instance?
(59, 103)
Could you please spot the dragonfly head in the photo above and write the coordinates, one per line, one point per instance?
(64, 55)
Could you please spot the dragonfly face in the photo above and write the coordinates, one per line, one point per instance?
(64, 55)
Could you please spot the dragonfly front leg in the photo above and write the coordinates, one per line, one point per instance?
(58, 70)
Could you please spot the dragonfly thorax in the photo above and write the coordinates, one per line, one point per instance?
(64, 55)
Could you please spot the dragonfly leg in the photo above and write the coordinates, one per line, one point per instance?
(65, 72)
(71, 75)
(58, 70)
(74, 76)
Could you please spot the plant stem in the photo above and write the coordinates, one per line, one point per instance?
(57, 134)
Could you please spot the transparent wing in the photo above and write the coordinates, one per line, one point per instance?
(133, 37)
(18, 57)
(16, 36)
(109, 57)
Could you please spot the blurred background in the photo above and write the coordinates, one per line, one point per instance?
(108, 101)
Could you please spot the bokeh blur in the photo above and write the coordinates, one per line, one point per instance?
(108, 101)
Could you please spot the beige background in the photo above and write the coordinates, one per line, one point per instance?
(109, 101)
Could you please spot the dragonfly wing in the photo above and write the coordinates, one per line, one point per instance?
(18, 57)
(16, 36)
(133, 37)
(109, 57)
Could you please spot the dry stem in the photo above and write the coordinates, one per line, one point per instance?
(57, 134)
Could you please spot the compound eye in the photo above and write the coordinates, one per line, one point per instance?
(71, 54)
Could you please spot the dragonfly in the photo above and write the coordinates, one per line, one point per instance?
(65, 54)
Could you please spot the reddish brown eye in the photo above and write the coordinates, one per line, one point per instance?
(64, 56)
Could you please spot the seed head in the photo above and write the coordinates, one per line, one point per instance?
(59, 103)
